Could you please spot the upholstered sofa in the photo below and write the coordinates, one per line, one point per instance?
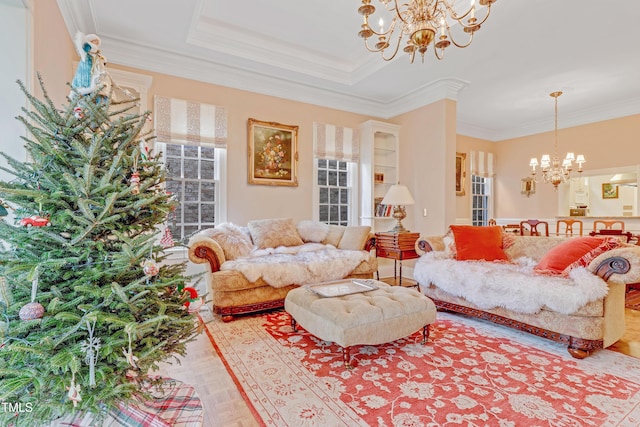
(570, 290)
(253, 267)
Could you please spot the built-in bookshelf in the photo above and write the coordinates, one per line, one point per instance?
(379, 144)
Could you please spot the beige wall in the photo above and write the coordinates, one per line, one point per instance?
(427, 166)
(54, 52)
(607, 144)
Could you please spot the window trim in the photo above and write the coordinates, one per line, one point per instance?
(488, 185)
(220, 177)
(354, 204)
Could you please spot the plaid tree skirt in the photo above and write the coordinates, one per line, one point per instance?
(176, 405)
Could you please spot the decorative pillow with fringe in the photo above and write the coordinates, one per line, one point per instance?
(575, 252)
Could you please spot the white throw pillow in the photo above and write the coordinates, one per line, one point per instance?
(312, 231)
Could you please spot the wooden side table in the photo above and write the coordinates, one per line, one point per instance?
(397, 246)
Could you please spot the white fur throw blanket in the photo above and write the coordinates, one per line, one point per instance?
(304, 264)
(513, 286)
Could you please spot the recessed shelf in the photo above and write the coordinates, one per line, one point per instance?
(379, 149)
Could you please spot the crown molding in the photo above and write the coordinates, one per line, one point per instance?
(77, 16)
(249, 79)
(223, 38)
(424, 95)
(143, 57)
(218, 36)
(146, 58)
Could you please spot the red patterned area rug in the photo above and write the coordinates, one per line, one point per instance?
(469, 373)
(632, 299)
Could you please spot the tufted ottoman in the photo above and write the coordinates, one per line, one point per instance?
(374, 317)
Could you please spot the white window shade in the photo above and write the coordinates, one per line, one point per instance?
(180, 121)
(482, 164)
(336, 143)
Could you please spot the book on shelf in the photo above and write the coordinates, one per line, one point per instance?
(380, 209)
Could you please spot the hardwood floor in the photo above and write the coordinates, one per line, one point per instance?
(202, 368)
(223, 404)
(629, 344)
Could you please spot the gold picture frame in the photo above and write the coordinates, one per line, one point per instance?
(528, 186)
(461, 172)
(609, 190)
(272, 153)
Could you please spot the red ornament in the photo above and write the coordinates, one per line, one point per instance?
(35, 221)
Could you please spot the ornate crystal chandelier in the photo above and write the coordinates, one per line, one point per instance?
(420, 21)
(552, 170)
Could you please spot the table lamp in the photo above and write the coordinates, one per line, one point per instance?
(398, 196)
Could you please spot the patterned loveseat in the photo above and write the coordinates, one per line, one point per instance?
(523, 291)
(253, 268)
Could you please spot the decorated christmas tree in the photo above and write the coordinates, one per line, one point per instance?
(87, 312)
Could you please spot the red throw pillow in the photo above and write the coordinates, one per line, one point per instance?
(575, 252)
(478, 243)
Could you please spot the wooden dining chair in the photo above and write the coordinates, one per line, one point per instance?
(608, 225)
(569, 225)
(531, 226)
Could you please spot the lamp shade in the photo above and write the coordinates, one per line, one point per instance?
(398, 195)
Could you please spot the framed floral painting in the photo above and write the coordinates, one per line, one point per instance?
(609, 191)
(273, 153)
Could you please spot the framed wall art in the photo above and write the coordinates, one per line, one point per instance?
(609, 191)
(273, 153)
(460, 173)
(527, 186)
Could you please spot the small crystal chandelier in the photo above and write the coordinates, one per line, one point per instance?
(551, 169)
(420, 21)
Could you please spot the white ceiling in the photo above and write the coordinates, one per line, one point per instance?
(309, 51)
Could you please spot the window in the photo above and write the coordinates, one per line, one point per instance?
(193, 177)
(335, 191)
(193, 139)
(480, 200)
